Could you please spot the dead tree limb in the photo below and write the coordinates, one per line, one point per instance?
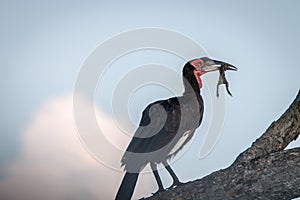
(263, 171)
(279, 134)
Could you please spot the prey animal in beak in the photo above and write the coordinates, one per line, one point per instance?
(222, 78)
(222, 67)
(205, 65)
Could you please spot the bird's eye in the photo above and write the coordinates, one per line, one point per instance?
(197, 63)
(200, 63)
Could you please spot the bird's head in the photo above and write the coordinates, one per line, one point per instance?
(199, 66)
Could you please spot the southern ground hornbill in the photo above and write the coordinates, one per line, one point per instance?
(166, 126)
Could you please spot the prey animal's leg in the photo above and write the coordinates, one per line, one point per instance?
(223, 80)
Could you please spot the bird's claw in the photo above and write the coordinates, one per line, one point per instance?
(175, 184)
(158, 191)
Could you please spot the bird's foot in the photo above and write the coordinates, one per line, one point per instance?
(158, 191)
(175, 184)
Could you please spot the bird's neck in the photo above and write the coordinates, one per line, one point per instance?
(191, 87)
(193, 98)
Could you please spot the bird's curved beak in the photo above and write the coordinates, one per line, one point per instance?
(214, 65)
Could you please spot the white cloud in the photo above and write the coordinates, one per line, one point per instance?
(53, 164)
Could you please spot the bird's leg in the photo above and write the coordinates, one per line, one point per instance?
(157, 178)
(176, 181)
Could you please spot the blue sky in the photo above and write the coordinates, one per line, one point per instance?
(43, 45)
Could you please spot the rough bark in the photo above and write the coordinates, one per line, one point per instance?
(279, 134)
(263, 171)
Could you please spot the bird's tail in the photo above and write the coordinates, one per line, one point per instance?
(127, 186)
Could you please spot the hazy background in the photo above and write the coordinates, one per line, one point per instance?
(43, 45)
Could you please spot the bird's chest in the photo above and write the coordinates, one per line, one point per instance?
(185, 137)
(182, 120)
(191, 117)
(188, 121)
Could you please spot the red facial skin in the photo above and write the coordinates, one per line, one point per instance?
(198, 64)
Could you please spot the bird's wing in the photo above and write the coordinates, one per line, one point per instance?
(153, 133)
(153, 120)
(152, 128)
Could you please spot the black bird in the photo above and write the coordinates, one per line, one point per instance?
(165, 127)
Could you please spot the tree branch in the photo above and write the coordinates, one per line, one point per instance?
(276, 176)
(263, 171)
(279, 134)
